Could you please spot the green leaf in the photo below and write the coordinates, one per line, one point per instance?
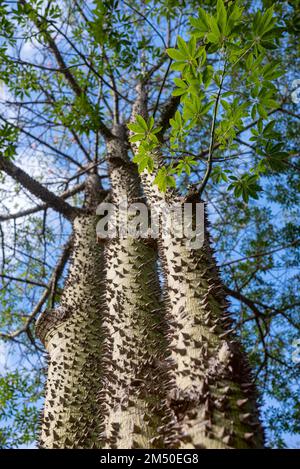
(214, 28)
(135, 127)
(137, 138)
(143, 164)
(178, 92)
(180, 83)
(150, 123)
(178, 118)
(192, 46)
(221, 16)
(225, 105)
(201, 24)
(183, 47)
(213, 37)
(170, 181)
(234, 18)
(262, 112)
(175, 54)
(206, 108)
(141, 121)
(160, 179)
(156, 130)
(178, 66)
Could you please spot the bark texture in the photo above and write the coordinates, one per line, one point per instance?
(212, 391)
(122, 372)
(134, 391)
(73, 337)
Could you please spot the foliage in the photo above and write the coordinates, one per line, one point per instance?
(234, 43)
(18, 412)
(8, 140)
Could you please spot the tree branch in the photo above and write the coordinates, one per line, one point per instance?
(64, 69)
(13, 216)
(52, 200)
(239, 296)
(42, 142)
(56, 274)
(212, 138)
(167, 113)
(265, 253)
(147, 21)
(23, 280)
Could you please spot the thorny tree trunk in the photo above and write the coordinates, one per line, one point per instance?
(133, 396)
(73, 337)
(122, 374)
(213, 395)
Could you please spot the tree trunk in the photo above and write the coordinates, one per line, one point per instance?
(212, 391)
(135, 372)
(73, 337)
(122, 374)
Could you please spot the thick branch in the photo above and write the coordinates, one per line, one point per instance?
(167, 113)
(37, 189)
(239, 296)
(13, 216)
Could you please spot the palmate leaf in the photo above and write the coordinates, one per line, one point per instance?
(186, 56)
(245, 186)
(183, 47)
(144, 161)
(184, 166)
(143, 130)
(233, 21)
(215, 34)
(201, 24)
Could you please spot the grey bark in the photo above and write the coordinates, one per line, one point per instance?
(134, 396)
(73, 336)
(212, 390)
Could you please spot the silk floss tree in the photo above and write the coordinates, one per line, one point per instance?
(141, 344)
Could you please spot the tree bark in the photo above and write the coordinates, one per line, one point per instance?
(134, 394)
(212, 391)
(73, 335)
(124, 374)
